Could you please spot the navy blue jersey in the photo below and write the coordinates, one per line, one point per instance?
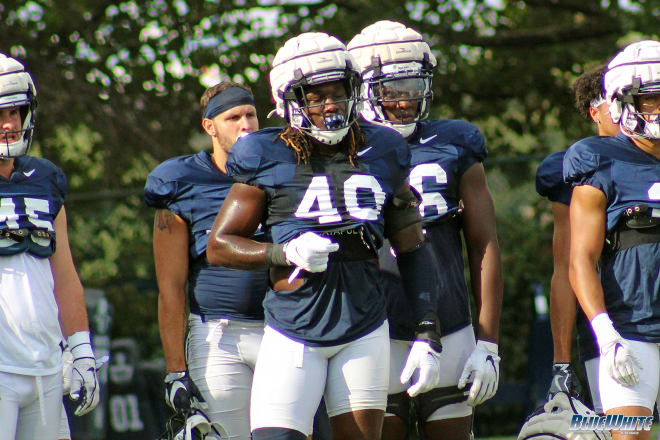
(442, 150)
(194, 189)
(328, 194)
(29, 202)
(550, 184)
(627, 176)
(550, 179)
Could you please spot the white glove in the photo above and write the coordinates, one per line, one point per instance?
(83, 380)
(483, 366)
(309, 251)
(620, 361)
(421, 356)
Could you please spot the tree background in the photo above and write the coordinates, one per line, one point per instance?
(119, 85)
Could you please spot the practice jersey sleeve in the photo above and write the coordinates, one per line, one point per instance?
(474, 143)
(583, 165)
(60, 188)
(247, 158)
(550, 179)
(159, 192)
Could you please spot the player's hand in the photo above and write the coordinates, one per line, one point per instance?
(181, 393)
(82, 378)
(619, 358)
(563, 380)
(309, 251)
(427, 360)
(483, 366)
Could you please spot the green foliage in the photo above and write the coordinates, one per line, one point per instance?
(119, 83)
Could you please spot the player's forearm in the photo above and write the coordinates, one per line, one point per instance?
(71, 304)
(236, 252)
(586, 284)
(562, 315)
(487, 287)
(172, 325)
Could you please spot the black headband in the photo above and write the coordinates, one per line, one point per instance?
(228, 99)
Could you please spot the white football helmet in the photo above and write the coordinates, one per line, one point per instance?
(306, 60)
(552, 421)
(17, 90)
(634, 71)
(396, 65)
(195, 426)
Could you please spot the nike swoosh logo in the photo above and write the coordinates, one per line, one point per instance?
(558, 385)
(28, 173)
(425, 140)
(361, 152)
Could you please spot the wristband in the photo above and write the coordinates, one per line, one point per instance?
(275, 255)
(603, 329)
(428, 330)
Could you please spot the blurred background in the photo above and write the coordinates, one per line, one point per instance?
(119, 85)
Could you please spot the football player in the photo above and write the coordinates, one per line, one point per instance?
(226, 317)
(40, 292)
(589, 100)
(328, 191)
(396, 65)
(615, 234)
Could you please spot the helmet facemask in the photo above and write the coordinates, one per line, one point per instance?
(633, 73)
(14, 143)
(633, 119)
(396, 66)
(17, 91)
(301, 112)
(309, 60)
(397, 95)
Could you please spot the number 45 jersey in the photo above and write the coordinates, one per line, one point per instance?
(29, 202)
(332, 197)
(630, 277)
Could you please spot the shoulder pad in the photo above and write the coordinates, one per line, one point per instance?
(456, 132)
(581, 161)
(550, 175)
(252, 153)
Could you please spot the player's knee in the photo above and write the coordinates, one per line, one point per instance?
(277, 434)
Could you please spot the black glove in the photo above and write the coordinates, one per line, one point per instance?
(181, 393)
(563, 380)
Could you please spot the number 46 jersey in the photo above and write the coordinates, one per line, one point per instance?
(328, 196)
(442, 151)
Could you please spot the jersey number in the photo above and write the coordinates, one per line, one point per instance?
(431, 198)
(125, 413)
(33, 207)
(319, 194)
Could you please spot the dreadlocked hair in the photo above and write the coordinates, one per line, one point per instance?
(303, 145)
